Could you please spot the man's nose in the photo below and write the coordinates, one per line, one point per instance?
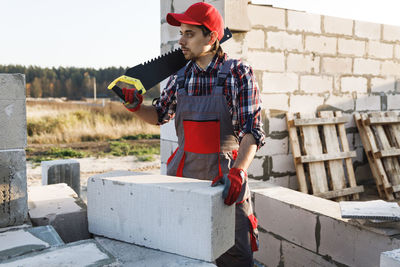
(181, 41)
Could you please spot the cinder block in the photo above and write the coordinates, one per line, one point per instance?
(316, 83)
(169, 33)
(390, 258)
(163, 169)
(305, 103)
(344, 102)
(269, 61)
(12, 86)
(13, 124)
(380, 50)
(352, 245)
(390, 68)
(168, 131)
(165, 8)
(393, 102)
(368, 102)
(336, 25)
(280, 82)
(302, 63)
(285, 41)
(255, 39)
(132, 255)
(266, 16)
(58, 205)
(81, 253)
(383, 85)
(181, 6)
(354, 84)
(231, 10)
(335, 65)
(275, 101)
(274, 147)
(234, 47)
(391, 33)
(367, 66)
(367, 30)
(148, 211)
(62, 171)
(351, 47)
(397, 51)
(321, 44)
(277, 124)
(256, 168)
(165, 150)
(19, 242)
(13, 197)
(302, 21)
(283, 163)
(269, 252)
(279, 181)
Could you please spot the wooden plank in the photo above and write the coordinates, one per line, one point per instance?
(341, 192)
(320, 121)
(335, 167)
(367, 149)
(348, 162)
(382, 120)
(294, 142)
(393, 152)
(326, 157)
(312, 146)
(396, 188)
(375, 164)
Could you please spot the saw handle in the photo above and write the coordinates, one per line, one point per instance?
(137, 84)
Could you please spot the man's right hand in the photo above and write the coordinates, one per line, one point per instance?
(133, 99)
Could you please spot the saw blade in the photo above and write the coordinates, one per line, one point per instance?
(156, 70)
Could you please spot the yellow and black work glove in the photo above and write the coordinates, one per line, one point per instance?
(133, 99)
(232, 184)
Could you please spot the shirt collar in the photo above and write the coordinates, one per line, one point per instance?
(211, 67)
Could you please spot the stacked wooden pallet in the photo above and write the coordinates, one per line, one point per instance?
(380, 136)
(321, 155)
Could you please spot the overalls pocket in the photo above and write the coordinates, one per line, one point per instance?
(202, 136)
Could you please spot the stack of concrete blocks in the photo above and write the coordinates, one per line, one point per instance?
(177, 215)
(13, 184)
(303, 63)
(297, 229)
(62, 171)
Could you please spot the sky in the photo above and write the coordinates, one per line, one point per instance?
(105, 33)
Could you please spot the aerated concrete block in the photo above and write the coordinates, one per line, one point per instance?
(390, 258)
(81, 253)
(13, 198)
(178, 215)
(59, 206)
(62, 171)
(14, 243)
(12, 111)
(132, 255)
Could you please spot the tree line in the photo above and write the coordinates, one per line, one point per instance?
(70, 82)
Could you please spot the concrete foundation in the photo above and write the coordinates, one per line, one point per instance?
(81, 253)
(62, 171)
(132, 255)
(59, 206)
(177, 215)
(23, 241)
(13, 198)
(297, 229)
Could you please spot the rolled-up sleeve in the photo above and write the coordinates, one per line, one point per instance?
(248, 106)
(166, 103)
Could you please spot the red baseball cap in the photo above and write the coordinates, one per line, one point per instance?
(199, 14)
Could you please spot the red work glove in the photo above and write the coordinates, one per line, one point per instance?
(233, 184)
(132, 99)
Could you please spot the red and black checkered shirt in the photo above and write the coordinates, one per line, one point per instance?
(241, 91)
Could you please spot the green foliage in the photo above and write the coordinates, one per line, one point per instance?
(143, 152)
(141, 137)
(45, 125)
(56, 153)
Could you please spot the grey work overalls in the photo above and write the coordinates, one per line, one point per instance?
(206, 141)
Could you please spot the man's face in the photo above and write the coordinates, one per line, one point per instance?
(193, 43)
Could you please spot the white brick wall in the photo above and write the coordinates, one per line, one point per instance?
(280, 82)
(266, 16)
(274, 147)
(267, 61)
(344, 102)
(283, 163)
(380, 50)
(382, 85)
(335, 65)
(302, 63)
(338, 25)
(393, 102)
(256, 168)
(321, 44)
(304, 103)
(301, 21)
(351, 84)
(366, 66)
(390, 68)
(255, 39)
(284, 41)
(391, 33)
(351, 47)
(366, 102)
(367, 30)
(316, 84)
(397, 51)
(275, 101)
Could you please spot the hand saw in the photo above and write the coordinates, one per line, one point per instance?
(150, 73)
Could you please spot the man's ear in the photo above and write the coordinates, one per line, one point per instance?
(213, 37)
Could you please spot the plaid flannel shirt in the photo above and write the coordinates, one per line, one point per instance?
(241, 91)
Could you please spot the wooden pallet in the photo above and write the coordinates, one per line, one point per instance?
(321, 151)
(380, 136)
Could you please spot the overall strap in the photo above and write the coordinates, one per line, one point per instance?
(222, 75)
(180, 80)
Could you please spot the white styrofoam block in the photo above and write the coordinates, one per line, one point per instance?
(177, 215)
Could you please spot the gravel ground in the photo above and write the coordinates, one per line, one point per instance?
(92, 166)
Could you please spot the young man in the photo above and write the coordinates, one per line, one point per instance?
(216, 105)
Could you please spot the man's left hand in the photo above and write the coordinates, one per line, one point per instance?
(233, 184)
